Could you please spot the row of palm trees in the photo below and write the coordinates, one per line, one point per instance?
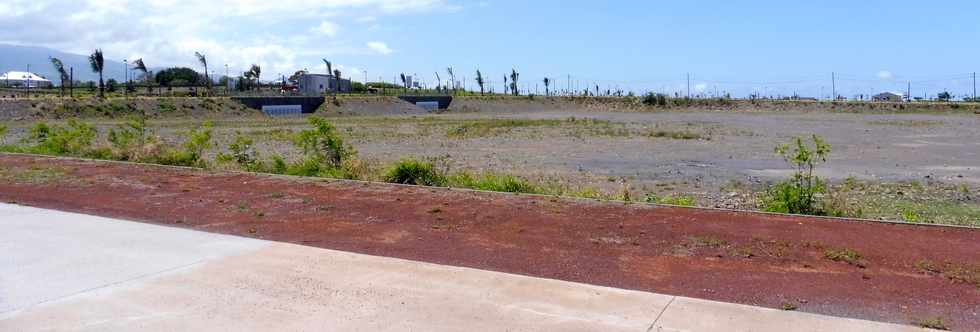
(97, 63)
(510, 82)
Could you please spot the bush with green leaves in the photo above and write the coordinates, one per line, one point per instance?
(655, 99)
(3, 133)
(799, 195)
(242, 152)
(415, 172)
(73, 139)
(129, 139)
(191, 153)
(323, 143)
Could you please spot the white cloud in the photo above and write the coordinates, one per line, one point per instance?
(327, 28)
(700, 87)
(233, 32)
(379, 47)
(885, 75)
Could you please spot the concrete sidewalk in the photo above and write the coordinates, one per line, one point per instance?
(63, 271)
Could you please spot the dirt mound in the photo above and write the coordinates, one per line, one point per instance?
(510, 104)
(369, 106)
(165, 107)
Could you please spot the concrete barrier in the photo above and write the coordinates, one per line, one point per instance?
(308, 104)
(426, 101)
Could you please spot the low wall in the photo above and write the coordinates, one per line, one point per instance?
(309, 104)
(443, 101)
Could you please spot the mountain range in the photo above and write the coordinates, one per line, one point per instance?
(18, 58)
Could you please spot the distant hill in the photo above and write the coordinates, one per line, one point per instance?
(17, 58)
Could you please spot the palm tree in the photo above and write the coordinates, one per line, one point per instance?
(513, 80)
(336, 78)
(439, 80)
(140, 66)
(204, 61)
(256, 73)
(404, 82)
(547, 82)
(98, 64)
(452, 78)
(329, 72)
(60, 68)
(479, 80)
(506, 87)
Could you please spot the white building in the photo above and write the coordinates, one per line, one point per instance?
(20, 79)
(318, 84)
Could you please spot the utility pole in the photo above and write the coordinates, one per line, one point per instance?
(833, 84)
(71, 82)
(688, 85)
(974, 87)
(908, 92)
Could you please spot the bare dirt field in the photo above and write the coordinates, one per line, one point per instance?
(888, 272)
(892, 164)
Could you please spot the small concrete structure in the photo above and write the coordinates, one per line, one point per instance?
(71, 272)
(888, 96)
(21, 79)
(430, 103)
(307, 104)
(319, 84)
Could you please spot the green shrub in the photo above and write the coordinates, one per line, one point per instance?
(278, 165)
(74, 139)
(323, 143)
(3, 133)
(191, 152)
(244, 154)
(799, 194)
(129, 139)
(655, 99)
(415, 172)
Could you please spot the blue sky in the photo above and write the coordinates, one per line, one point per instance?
(771, 47)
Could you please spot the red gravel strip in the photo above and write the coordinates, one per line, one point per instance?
(905, 272)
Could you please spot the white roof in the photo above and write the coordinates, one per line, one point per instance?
(22, 75)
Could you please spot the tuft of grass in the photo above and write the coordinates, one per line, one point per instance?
(484, 128)
(789, 306)
(33, 175)
(683, 135)
(910, 215)
(953, 272)
(494, 182)
(707, 241)
(415, 172)
(679, 200)
(936, 323)
(849, 256)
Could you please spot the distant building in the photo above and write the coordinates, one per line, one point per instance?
(318, 84)
(888, 96)
(20, 79)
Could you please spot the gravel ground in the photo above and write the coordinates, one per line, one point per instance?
(727, 162)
